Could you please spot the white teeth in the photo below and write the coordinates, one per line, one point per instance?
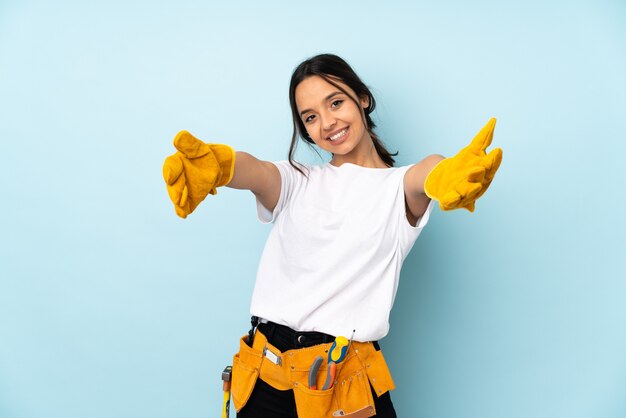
(338, 135)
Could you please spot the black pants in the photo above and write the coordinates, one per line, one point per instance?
(268, 402)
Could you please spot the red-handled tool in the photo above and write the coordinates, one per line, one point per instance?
(336, 354)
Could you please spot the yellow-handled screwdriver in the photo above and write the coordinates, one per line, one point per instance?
(336, 354)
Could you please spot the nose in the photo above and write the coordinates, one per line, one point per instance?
(328, 120)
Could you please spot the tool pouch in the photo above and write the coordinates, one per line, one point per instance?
(378, 371)
(349, 396)
(246, 369)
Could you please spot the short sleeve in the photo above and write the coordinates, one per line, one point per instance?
(289, 179)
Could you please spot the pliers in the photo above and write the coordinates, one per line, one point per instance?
(330, 373)
(336, 355)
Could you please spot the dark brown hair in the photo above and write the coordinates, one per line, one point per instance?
(332, 69)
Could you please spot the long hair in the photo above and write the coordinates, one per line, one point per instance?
(332, 69)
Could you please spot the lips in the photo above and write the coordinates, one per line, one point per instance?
(338, 134)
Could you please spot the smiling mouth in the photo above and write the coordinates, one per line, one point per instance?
(338, 135)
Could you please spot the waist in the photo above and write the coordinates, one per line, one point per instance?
(284, 338)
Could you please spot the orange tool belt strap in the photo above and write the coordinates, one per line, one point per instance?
(350, 394)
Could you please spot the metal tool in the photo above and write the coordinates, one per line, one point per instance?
(313, 372)
(336, 354)
(351, 338)
(226, 378)
(330, 375)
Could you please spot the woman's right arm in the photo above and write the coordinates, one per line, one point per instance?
(260, 177)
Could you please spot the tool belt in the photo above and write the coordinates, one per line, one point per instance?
(350, 395)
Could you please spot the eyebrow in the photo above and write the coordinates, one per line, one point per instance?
(330, 96)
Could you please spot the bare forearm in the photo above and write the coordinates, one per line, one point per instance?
(418, 173)
(247, 168)
(260, 177)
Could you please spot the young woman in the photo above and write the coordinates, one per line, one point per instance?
(341, 232)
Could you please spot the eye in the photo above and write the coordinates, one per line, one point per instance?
(309, 119)
(336, 103)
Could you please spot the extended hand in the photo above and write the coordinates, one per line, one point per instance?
(459, 181)
(196, 170)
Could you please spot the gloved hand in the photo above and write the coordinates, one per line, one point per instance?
(196, 170)
(459, 181)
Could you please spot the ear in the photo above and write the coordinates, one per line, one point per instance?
(365, 101)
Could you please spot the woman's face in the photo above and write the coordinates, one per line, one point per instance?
(332, 120)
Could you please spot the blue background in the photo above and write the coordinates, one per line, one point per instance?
(111, 306)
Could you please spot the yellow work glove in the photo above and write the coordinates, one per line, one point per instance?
(458, 181)
(196, 170)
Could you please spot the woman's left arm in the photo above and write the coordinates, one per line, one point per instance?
(414, 194)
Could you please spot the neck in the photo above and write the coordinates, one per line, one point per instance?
(369, 159)
(364, 155)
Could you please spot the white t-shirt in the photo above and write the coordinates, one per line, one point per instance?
(332, 260)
